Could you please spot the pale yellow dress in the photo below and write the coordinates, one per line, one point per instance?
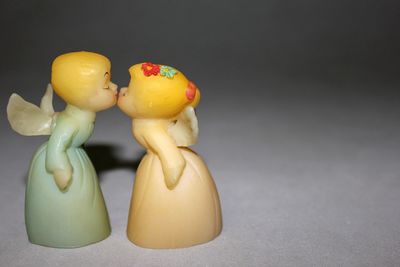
(186, 215)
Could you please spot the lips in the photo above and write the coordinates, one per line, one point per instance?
(121, 94)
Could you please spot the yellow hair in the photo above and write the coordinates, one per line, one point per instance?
(157, 96)
(75, 75)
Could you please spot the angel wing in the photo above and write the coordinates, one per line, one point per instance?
(28, 119)
(186, 129)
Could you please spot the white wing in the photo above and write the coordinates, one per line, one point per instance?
(186, 129)
(28, 119)
(46, 103)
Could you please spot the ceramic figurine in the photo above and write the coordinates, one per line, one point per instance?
(64, 205)
(174, 203)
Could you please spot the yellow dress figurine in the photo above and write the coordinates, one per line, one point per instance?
(174, 203)
(64, 205)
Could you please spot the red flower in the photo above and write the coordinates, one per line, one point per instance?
(191, 91)
(150, 69)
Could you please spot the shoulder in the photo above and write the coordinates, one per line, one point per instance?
(65, 122)
(148, 127)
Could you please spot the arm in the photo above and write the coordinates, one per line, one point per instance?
(57, 161)
(171, 158)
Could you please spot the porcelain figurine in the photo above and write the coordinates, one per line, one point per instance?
(174, 202)
(64, 205)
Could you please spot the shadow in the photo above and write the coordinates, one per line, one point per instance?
(105, 158)
(24, 178)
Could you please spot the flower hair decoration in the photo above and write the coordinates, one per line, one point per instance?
(149, 69)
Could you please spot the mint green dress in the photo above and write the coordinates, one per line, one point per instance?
(77, 216)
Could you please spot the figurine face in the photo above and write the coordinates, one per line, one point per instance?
(157, 91)
(104, 95)
(83, 79)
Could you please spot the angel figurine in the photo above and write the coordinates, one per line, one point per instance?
(174, 202)
(64, 205)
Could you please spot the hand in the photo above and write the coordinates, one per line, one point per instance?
(63, 178)
(173, 172)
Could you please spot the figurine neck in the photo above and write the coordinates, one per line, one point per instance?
(147, 121)
(80, 113)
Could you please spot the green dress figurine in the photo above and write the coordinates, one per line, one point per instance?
(64, 205)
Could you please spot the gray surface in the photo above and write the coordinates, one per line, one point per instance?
(299, 124)
(302, 183)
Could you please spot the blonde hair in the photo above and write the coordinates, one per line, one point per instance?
(157, 96)
(74, 75)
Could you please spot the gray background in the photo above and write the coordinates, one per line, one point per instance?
(299, 124)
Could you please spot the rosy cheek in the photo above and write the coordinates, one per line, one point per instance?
(191, 91)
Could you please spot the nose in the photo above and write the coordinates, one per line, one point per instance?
(113, 86)
(123, 91)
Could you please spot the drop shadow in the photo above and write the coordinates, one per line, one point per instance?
(24, 178)
(105, 157)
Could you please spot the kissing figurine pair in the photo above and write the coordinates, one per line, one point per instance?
(174, 201)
